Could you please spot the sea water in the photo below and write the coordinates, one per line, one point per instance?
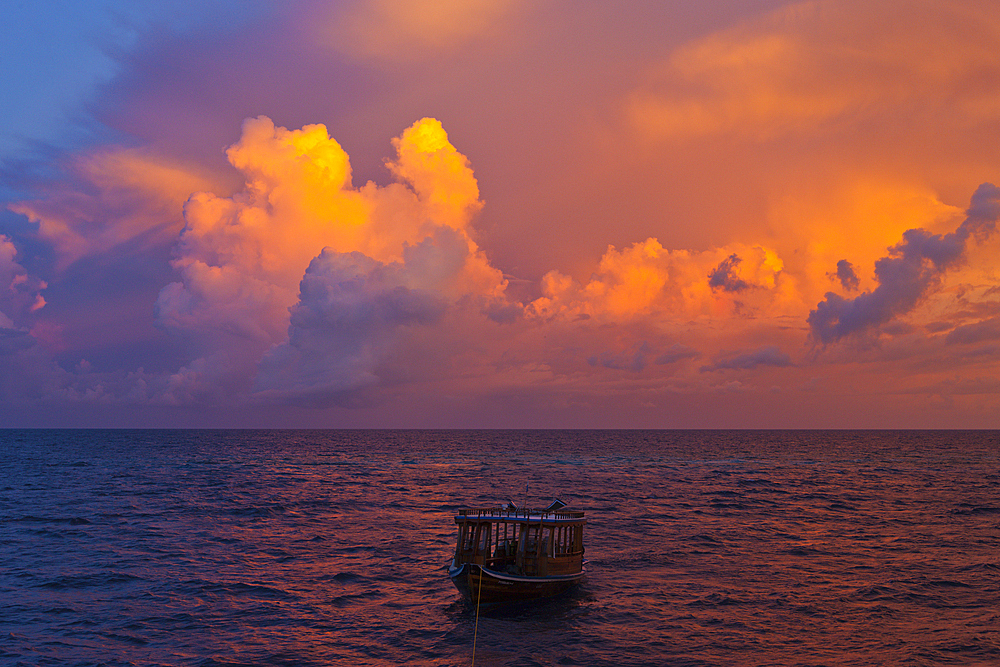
(331, 547)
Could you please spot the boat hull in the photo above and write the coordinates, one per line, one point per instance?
(488, 586)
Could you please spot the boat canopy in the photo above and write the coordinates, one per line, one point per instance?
(519, 515)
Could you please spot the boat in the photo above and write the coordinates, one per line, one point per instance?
(509, 554)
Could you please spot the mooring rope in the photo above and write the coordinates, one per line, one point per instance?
(479, 598)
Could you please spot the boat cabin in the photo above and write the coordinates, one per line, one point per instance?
(521, 542)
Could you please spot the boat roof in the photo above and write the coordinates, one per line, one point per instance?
(518, 515)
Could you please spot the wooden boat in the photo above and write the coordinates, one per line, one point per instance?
(507, 554)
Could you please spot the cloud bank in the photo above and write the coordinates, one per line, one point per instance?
(673, 210)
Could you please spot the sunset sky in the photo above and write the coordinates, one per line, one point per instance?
(497, 213)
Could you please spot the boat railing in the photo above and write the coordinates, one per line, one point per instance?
(518, 513)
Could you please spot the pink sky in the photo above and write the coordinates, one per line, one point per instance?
(507, 214)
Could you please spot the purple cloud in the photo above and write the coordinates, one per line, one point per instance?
(975, 333)
(623, 361)
(677, 352)
(352, 312)
(768, 355)
(724, 275)
(846, 275)
(912, 269)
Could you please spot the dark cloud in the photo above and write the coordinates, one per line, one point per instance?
(13, 341)
(846, 275)
(975, 333)
(349, 309)
(724, 275)
(677, 352)
(768, 355)
(938, 327)
(624, 361)
(640, 356)
(351, 294)
(912, 269)
(27, 373)
(503, 312)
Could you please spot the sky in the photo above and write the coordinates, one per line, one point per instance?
(500, 214)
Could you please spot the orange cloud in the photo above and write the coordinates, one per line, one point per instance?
(399, 30)
(242, 257)
(646, 280)
(853, 218)
(822, 62)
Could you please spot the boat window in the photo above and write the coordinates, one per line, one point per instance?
(484, 538)
(565, 540)
(530, 539)
(505, 537)
(470, 532)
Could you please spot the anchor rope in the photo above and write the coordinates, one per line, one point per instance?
(479, 599)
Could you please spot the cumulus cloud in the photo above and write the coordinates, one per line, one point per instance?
(645, 279)
(303, 260)
(20, 293)
(241, 257)
(913, 268)
(350, 312)
(27, 372)
(768, 355)
(299, 285)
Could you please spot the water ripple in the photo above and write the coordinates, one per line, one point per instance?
(329, 547)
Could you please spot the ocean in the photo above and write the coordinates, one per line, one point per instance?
(331, 547)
